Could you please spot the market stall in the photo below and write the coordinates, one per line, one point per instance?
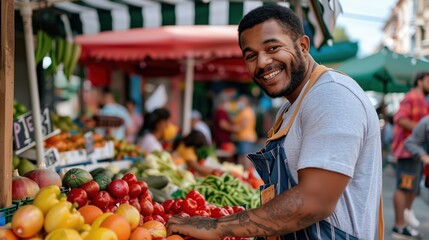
(132, 198)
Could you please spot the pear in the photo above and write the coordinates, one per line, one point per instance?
(15, 161)
(25, 166)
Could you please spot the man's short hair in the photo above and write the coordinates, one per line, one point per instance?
(284, 16)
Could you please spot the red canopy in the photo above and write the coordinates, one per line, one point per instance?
(169, 42)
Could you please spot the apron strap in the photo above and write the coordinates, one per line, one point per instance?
(274, 133)
(380, 220)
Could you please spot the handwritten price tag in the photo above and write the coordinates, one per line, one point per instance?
(23, 130)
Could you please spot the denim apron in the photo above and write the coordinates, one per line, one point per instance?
(272, 165)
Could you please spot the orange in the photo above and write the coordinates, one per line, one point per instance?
(7, 234)
(130, 213)
(174, 237)
(90, 213)
(156, 229)
(118, 224)
(140, 233)
(97, 222)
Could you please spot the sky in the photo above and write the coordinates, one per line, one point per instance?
(363, 21)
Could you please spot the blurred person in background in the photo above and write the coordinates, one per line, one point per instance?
(223, 127)
(136, 121)
(417, 144)
(198, 124)
(193, 150)
(245, 131)
(408, 169)
(109, 107)
(153, 131)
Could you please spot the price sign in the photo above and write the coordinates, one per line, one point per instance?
(89, 142)
(23, 130)
(52, 157)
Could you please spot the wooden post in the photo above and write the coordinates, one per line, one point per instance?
(6, 99)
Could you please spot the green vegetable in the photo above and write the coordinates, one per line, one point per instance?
(102, 181)
(76, 177)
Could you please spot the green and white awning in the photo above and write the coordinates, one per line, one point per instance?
(93, 16)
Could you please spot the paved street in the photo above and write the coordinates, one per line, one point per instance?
(420, 206)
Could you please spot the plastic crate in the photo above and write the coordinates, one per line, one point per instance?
(7, 212)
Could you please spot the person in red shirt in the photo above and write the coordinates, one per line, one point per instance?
(222, 125)
(412, 108)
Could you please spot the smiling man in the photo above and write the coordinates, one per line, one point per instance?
(322, 161)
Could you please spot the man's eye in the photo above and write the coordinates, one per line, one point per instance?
(273, 48)
(250, 56)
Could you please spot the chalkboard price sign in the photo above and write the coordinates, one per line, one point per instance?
(23, 130)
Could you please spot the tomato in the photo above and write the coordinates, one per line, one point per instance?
(211, 206)
(118, 188)
(135, 202)
(111, 208)
(91, 188)
(143, 185)
(229, 209)
(205, 208)
(219, 212)
(158, 208)
(201, 213)
(78, 195)
(167, 205)
(189, 206)
(238, 209)
(122, 200)
(166, 216)
(147, 218)
(158, 218)
(177, 206)
(145, 195)
(146, 207)
(129, 178)
(102, 199)
(135, 190)
(193, 194)
(200, 200)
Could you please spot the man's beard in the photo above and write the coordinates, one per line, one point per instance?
(297, 77)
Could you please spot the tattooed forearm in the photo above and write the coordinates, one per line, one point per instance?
(203, 223)
(284, 214)
(283, 209)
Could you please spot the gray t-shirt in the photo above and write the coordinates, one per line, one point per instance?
(418, 142)
(337, 129)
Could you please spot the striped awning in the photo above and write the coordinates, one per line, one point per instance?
(94, 16)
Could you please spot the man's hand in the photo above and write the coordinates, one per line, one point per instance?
(196, 227)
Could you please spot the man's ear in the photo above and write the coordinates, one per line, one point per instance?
(304, 43)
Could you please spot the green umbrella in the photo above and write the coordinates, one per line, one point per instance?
(384, 71)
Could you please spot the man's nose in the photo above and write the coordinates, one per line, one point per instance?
(264, 59)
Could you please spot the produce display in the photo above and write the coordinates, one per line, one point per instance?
(224, 190)
(106, 202)
(162, 164)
